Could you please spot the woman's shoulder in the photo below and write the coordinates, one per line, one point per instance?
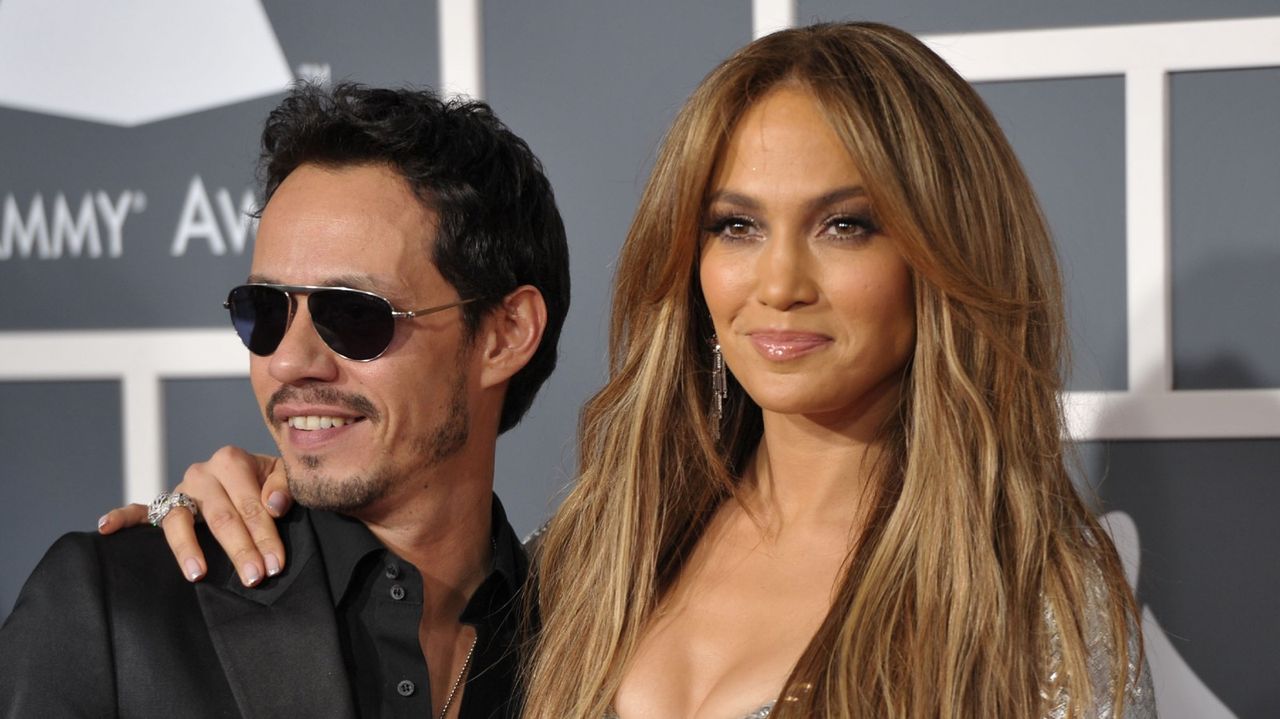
(1100, 644)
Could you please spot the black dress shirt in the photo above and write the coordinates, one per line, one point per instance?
(378, 605)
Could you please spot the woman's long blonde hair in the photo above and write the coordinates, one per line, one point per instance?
(976, 536)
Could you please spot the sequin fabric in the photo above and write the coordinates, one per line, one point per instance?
(1139, 694)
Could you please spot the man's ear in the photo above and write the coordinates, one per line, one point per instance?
(512, 332)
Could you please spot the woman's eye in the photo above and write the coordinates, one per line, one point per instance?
(733, 228)
(850, 227)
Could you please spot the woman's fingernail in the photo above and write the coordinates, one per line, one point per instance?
(194, 571)
(102, 521)
(251, 574)
(275, 503)
(273, 564)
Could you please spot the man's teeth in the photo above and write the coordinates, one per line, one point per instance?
(314, 422)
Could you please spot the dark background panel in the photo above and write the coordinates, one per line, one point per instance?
(1069, 136)
(62, 468)
(156, 164)
(592, 86)
(202, 415)
(1225, 155)
(1205, 514)
(930, 16)
(391, 43)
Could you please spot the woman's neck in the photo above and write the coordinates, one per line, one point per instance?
(821, 470)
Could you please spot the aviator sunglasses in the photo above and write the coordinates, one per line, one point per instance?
(355, 324)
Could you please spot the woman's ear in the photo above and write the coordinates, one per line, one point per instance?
(512, 333)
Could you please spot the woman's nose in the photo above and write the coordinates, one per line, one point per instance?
(784, 273)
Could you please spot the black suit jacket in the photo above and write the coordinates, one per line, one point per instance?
(107, 626)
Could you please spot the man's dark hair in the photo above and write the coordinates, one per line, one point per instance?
(499, 226)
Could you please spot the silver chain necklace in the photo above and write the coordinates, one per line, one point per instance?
(466, 664)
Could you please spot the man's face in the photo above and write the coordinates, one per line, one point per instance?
(361, 227)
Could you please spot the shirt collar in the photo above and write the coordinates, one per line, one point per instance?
(345, 542)
(509, 559)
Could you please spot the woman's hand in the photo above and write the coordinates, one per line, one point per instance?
(239, 495)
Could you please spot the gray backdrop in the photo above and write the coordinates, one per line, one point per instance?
(592, 86)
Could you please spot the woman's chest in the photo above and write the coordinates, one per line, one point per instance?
(725, 640)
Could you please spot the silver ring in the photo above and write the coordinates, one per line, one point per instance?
(165, 502)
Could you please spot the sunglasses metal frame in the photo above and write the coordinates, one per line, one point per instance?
(291, 290)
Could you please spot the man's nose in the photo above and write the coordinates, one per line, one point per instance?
(302, 356)
(785, 273)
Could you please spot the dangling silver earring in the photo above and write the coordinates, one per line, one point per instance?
(719, 387)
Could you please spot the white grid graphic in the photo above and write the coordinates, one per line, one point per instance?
(770, 16)
(140, 360)
(1143, 54)
(461, 47)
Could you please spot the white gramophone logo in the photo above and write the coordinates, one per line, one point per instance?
(130, 62)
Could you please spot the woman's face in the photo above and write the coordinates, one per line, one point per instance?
(812, 303)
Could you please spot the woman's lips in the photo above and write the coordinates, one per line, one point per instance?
(785, 346)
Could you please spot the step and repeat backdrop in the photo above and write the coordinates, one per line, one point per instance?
(128, 134)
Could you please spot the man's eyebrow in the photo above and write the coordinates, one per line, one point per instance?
(359, 282)
(354, 281)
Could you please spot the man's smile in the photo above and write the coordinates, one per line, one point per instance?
(313, 422)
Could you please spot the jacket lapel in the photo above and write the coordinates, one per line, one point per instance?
(279, 642)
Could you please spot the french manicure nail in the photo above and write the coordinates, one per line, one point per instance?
(193, 569)
(275, 503)
(273, 564)
(251, 574)
(102, 521)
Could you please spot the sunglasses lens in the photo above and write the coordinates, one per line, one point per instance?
(260, 316)
(355, 325)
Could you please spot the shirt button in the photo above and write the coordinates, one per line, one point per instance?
(393, 572)
(405, 688)
(397, 592)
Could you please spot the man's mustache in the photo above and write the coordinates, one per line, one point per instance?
(315, 394)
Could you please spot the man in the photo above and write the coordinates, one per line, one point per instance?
(409, 283)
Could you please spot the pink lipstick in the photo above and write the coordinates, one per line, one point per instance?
(778, 346)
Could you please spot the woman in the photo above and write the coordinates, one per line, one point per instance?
(881, 523)
(869, 513)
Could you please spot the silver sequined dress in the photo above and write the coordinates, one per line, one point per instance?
(1140, 696)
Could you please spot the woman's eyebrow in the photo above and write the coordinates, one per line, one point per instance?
(827, 198)
(838, 195)
(734, 198)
